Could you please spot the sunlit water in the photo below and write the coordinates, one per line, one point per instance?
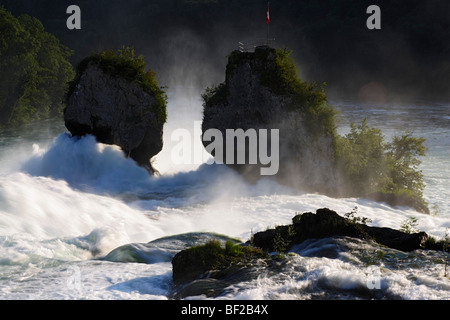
(66, 203)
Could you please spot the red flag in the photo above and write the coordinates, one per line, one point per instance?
(267, 15)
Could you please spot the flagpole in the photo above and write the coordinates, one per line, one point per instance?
(268, 22)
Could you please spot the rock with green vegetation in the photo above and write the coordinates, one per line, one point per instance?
(113, 98)
(327, 223)
(262, 91)
(34, 71)
(212, 261)
(210, 268)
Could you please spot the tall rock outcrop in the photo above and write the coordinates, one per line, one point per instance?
(262, 91)
(114, 100)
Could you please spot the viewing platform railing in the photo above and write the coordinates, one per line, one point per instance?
(251, 45)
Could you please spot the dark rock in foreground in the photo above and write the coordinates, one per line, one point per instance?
(211, 270)
(327, 223)
(211, 260)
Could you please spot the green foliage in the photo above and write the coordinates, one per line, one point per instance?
(409, 225)
(34, 71)
(124, 63)
(351, 216)
(210, 254)
(307, 97)
(277, 72)
(369, 166)
(297, 218)
(235, 250)
(215, 95)
(283, 238)
(360, 157)
(213, 256)
(280, 74)
(402, 165)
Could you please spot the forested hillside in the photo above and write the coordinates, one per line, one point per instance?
(34, 71)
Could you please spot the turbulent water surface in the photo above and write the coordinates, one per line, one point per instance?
(80, 221)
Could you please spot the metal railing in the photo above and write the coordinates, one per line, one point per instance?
(251, 45)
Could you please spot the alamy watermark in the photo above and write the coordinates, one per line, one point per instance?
(239, 145)
(74, 20)
(374, 278)
(73, 281)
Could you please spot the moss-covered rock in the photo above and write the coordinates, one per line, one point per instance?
(125, 64)
(114, 99)
(211, 269)
(211, 260)
(262, 91)
(327, 223)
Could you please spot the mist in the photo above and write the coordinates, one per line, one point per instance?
(67, 202)
(186, 42)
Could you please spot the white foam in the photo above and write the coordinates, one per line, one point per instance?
(64, 205)
(89, 280)
(86, 164)
(44, 217)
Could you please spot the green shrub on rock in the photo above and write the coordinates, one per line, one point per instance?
(370, 167)
(191, 263)
(262, 90)
(124, 63)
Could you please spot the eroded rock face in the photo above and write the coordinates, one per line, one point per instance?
(115, 111)
(248, 99)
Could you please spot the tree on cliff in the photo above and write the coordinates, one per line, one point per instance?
(34, 70)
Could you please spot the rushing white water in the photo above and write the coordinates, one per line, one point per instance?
(65, 203)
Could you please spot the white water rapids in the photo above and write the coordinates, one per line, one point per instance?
(65, 203)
